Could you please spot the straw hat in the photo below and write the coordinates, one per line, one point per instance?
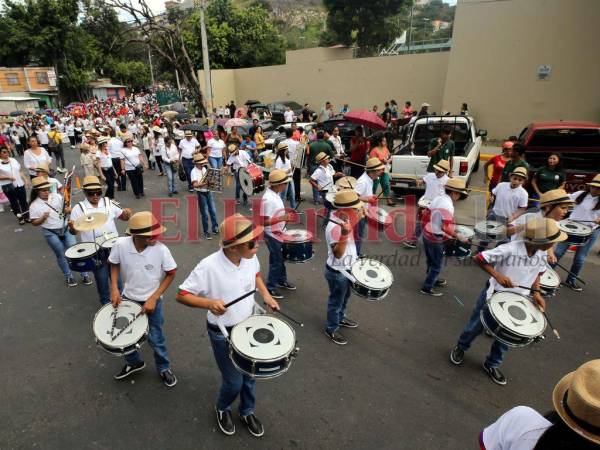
(345, 183)
(144, 223)
(237, 229)
(555, 197)
(43, 167)
(278, 176)
(595, 182)
(188, 133)
(374, 164)
(232, 148)
(321, 157)
(576, 399)
(102, 140)
(127, 137)
(282, 146)
(457, 185)
(90, 183)
(442, 165)
(40, 183)
(199, 158)
(543, 231)
(157, 129)
(347, 199)
(520, 172)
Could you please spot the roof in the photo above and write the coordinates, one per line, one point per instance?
(564, 124)
(107, 86)
(18, 99)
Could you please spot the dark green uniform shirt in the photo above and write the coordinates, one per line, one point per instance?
(548, 179)
(319, 146)
(446, 151)
(510, 168)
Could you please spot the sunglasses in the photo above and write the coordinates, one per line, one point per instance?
(252, 244)
(92, 193)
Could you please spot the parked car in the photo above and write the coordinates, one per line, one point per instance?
(411, 159)
(278, 134)
(278, 108)
(346, 130)
(577, 142)
(267, 126)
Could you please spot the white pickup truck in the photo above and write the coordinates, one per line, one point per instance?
(411, 158)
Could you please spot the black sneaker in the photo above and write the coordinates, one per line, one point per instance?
(348, 323)
(287, 285)
(410, 244)
(86, 280)
(336, 337)
(495, 374)
(457, 355)
(431, 292)
(225, 422)
(71, 282)
(440, 282)
(128, 370)
(207, 236)
(254, 426)
(216, 231)
(168, 378)
(572, 285)
(275, 294)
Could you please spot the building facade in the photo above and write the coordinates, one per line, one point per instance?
(35, 82)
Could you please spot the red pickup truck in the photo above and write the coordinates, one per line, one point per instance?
(577, 142)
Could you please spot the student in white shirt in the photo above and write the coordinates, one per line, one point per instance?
(46, 210)
(438, 230)
(292, 149)
(322, 178)
(13, 184)
(188, 146)
(587, 209)
(158, 148)
(44, 171)
(274, 217)
(115, 145)
(282, 162)
(170, 159)
(364, 189)
(238, 159)
(517, 263)
(146, 268)
(206, 202)
(133, 164)
(221, 277)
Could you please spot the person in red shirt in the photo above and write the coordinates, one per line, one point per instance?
(497, 162)
(359, 147)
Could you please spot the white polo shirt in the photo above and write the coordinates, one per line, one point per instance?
(324, 177)
(288, 116)
(141, 273)
(442, 210)
(131, 157)
(188, 147)
(292, 147)
(585, 210)
(364, 186)
(215, 147)
(53, 205)
(508, 200)
(198, 175)
(512, 261)
(434, 186)
(271, 206)
(114, 147)
(333, 235)
(517, 429)
(106, 206)
(522, 220)
(217, 278)
(239, 160)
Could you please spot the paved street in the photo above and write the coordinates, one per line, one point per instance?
(391, 387)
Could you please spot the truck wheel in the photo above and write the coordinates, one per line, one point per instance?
(476, 166)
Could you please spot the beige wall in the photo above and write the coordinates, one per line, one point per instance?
(317, 54)
(497, 48)
(223, 86)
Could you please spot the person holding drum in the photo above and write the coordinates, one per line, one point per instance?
(228, 274)
(586, 211)
(341, 255)
(322, 178)
(238, 158)
(43, 170)
(439, 228)
(364, 189)
(513, 267)
(273, 216)
(94, 203)
(206, 202)
(46, 210)
(282, 162)
(147, 269)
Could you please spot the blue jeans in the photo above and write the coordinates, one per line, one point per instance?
(102, 277)
(580, 254)
(215, 162)
(188, 165)
(238, 188)
(434, 252)
(156, 339)
(339, 293)
(59, 246)
(290, 194)
(233, 383)
(311, 169)
(171, 174)
(277, 271)
(474, 328)
(206, 205)
(359, 233)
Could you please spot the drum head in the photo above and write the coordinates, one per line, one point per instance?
(263, 338)
(126, 312)
(105, 237)
(575, 228)
(108, 244)
(379, 215)
(246, 181)
(81, 250)
(424, 202)
(330, 196)
(550, 278)
(297, 236)
(372, 273)
(517, 314)
(490, 226)
(467, 232)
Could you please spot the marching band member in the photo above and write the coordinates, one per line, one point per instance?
(46, 210)
(587, 210)
(14, 182)
(341, 255)
(147, 269)
(516, 263)
(274, 217)
(364, 189)
(322, 179)
(206, 202)
(238, 158)
(227, 274)
(282, 162)
(43, 170)
(441, 221)
(92, 204)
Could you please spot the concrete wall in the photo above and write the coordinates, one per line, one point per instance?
(223, 86)
(497, 48)
(307, 55)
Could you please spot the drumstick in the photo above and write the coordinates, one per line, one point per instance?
(288, 317)
(127, 326)
(554, 330)
(570, 273)
(233, 302)
(114, 322)
(528, 288)
(331, 220)
(350, 162)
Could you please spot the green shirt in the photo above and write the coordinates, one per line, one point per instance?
(548, 179)
(510, 168)
(446, 151)
(317, 147)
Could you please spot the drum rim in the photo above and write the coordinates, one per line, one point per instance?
(382, 264)
(309, 236)
(512, 331)
(254, 375)
(457, 228)
(502, 340)
(498, 229)
(92, 245)
(585, 231)
(557, 278)
(112, 239)
(374, 216)
(373, 299)
(107, 346)
(232, 344)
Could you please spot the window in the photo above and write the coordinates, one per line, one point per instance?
(41, 77)
(12, 79)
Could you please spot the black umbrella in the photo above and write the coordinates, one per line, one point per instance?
(182, 116)
(260, 106)
(17, 113)
(195, 127)
(251, 102)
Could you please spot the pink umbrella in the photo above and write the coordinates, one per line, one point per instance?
(235, 123)
(366, 118)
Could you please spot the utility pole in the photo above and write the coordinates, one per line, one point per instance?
(151, 69)
(205, 59)
(412, 7)
(176, 71)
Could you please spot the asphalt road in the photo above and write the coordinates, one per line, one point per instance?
(391, 387)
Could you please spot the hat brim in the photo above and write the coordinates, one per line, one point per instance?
(557, 399)
(517, 174)
(43, 186)
(440, 168)
(372, 169)
(91, 187)
(257, 231)
(463, 192)
(594, 184)
(284, 181)
(358, 205)
(156, 232)
(562, 236)
(318, 161)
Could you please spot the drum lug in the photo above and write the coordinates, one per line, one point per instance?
(294, 353)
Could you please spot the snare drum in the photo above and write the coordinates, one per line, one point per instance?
(378, 217)
(106, 242)
(549, 283)
(579, 233)
(456, 248)
(490, 231)
(128, 341)
(297, 246)
(82, 257)
(330, 197)
(373, 279)
(512, 319)
(424, 203)
(262, 346)
(252, 179)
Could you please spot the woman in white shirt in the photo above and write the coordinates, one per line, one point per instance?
(108, 171)
(336, 140)
(158, 149)
(147, 143)
(34, 156)
(282, 161)
(133, 164)
(170, 159)
(13, 184)
(216, 152)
